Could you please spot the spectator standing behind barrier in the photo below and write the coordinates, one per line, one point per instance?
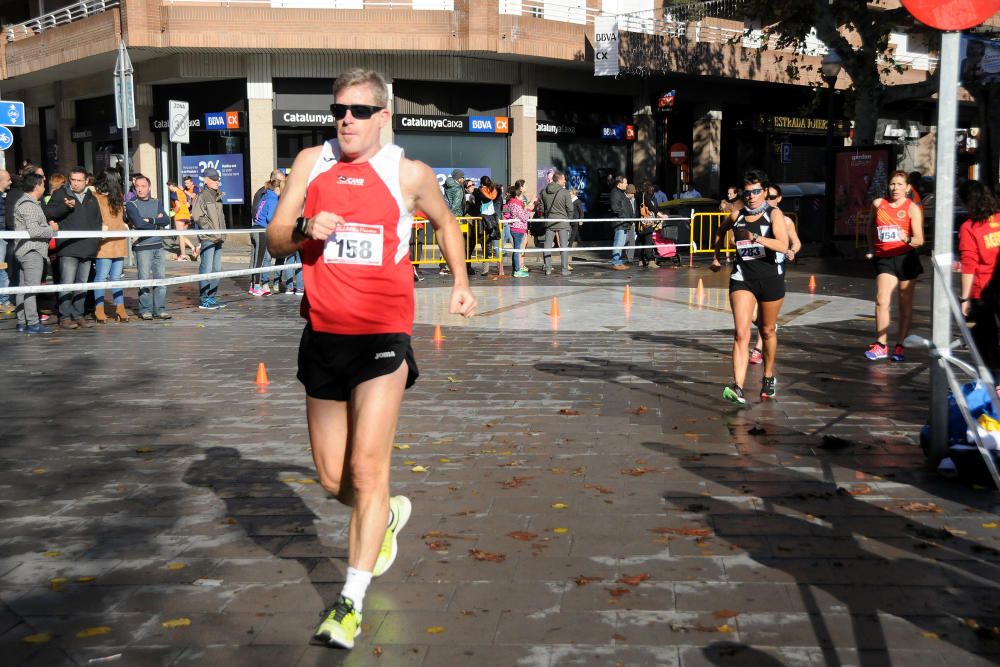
(208, 214)
(557, 208)
(181, 205)
(579, 213)
(259, 256)
(488, 203)
(146, 213)
(5, 304)
(978, 246)
(517, 215)
(632, 227)
(27, 216)
(75, 209)
(112, 251)
(621, 209)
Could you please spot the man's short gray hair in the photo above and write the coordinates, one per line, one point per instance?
(358, 77)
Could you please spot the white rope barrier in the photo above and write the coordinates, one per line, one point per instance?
(136, 233)
(152, 282)
(590, 248)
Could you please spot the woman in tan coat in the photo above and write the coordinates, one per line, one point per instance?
(111, 255)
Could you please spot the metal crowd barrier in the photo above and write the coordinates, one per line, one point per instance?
(424, 249)
(705, 225)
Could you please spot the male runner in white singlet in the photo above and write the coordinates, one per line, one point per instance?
(348, 208)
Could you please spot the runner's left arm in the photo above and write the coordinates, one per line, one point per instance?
(780, 228)
(419, 185)
(916, 226)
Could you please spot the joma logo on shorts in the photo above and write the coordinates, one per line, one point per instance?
(385, 355)
(350, 180)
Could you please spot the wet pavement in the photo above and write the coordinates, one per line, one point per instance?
(581, 493)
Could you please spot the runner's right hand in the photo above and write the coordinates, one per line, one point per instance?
(323, 224)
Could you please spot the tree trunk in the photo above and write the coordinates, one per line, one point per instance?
(865, 114)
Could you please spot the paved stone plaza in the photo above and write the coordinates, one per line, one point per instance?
(581, 493)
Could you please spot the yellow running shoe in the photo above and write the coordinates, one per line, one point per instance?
(341, 624)
(400, 507)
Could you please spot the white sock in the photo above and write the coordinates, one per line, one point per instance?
(356, 586)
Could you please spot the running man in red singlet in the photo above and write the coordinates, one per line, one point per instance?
(895, 233)
(348, 208)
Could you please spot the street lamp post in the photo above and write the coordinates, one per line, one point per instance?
(830, 68)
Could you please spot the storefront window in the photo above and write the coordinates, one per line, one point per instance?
(467, 152)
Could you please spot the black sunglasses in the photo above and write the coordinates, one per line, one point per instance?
(752, 193)
(358, 111)
(773, 196)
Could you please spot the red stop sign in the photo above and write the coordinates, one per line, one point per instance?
(678, 154)
(952, 14)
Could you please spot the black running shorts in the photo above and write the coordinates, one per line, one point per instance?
(904, 267)
(764, 289)
(332, 365)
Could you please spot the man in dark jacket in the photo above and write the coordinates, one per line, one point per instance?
(622, 209)
(144, 212)
(557, 206)
(454, 192)
(76, 210)
(207, 212)
(5, 301)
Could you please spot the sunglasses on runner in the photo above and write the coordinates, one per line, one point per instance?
(773, 196)
(358, 111)
(752, 193)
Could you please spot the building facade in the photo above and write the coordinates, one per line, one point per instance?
(499, 87)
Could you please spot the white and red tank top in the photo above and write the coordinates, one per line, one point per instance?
(360, 280)
(892, 229)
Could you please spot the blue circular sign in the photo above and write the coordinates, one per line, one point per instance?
(6, 138)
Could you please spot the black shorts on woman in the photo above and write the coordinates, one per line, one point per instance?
(756, 269)
(905, 266)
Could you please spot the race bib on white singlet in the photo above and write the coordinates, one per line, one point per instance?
(889, 233)
(748, 250)
(354, 243)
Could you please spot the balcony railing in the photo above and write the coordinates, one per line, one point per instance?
(75, 12)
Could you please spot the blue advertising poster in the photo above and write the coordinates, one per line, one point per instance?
(475, 173)
(578, 179)
(229, 166)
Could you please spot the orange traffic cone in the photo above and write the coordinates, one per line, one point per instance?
(699, 293)
(438, 337)
(554, 311)
(262, 380)
(627, 299)
(812, 282)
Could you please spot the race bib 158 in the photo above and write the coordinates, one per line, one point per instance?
(354, 243)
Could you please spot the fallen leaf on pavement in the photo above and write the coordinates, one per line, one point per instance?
(687, 532)
(399, 446)
(559, 506)
(377, 651)
(991, 524)
(724, 613)
(860, 490)
(435, 630)
(920, 507)
(618, 592)
(440, 545)
(453, 379)
(418, 469)
(560, 531)
(487, 556)
(583, 580)
(93, 632)
(176, 623)
(634, 580)
(618, 638)
(523, 535)
(39, 638)
(600, 489)
(568, 411)
(641, 410)
(52, 554)
(176, 566)
(514, 482)
(930, 635)
(636, 472)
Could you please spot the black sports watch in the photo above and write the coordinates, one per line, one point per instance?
(302, 226)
